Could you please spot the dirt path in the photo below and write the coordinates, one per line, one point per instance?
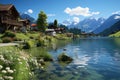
(8, 44)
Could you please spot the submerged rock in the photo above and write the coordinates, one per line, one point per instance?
(64, 58)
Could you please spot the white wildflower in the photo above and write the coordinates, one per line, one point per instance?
(4, 71)
(1, 67)
(1, 78)
(24, 58)
(5, 77)
(41, 60)
(10, 71)
(36, 62)
(42, 67)
(7, 68)
(20, 62)
(18, 59)
(1, 56)
(10, 78)
(14, 69)
(30, 73)
(39, 64)
(27, 65)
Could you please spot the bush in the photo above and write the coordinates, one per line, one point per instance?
(17, 39)
(47, 57)
(40, 42)
(6, 40)
(27, 45)
(49, 39)
(63, 57)
(9, 34)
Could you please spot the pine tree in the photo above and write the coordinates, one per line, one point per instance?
(55, 23)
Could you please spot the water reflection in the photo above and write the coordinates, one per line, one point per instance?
(82, 60)
(94, 59)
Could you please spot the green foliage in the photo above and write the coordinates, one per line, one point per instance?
(117, 34)
(75, 31)
(41, 53)
(42, 21)
(6, 39)
(40, 42)
(49, 38)
(63, 57)
(22, 36)
(28, 45)
(61, 37)
(55, 23)
(46, 56)
(9, 34)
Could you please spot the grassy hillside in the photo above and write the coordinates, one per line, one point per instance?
(115, 34)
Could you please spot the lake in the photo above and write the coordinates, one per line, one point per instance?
(94, 59)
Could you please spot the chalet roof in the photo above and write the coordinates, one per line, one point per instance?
(33, 25)
(4, 7)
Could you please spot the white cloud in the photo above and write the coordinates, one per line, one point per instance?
(117, 17)
(76, 20)
(80, 11)
(50, 15)
(117, 12)
(30, 11)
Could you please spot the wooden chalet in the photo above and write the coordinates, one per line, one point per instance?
(10, 18)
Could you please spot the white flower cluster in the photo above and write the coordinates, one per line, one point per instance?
(8, 70)
(8, 77)
(1, 67)
(1, 58)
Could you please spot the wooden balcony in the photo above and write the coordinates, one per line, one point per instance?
(12, 22)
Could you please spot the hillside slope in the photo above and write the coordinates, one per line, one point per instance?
(114, 28)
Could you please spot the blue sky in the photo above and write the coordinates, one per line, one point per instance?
(71, 10)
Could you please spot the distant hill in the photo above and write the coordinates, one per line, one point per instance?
(108, 23)
(117, 34)
(26, 16)
(114, 28)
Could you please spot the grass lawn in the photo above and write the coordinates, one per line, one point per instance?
(115, 35)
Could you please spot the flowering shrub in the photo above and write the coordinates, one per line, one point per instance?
(13, 66)
(6, 72)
